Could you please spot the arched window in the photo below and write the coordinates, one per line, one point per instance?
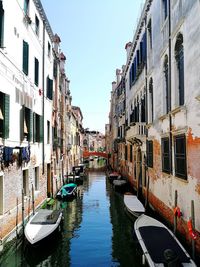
(151, 100)
(179, 56)
(166, 85)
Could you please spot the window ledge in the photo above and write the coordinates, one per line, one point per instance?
(178, 109)
(149, 125)
(163, 117)
(198, 97)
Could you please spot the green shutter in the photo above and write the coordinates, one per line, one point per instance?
(30, 126)
(6, 116)
(34, 127)
(36, 71)
(22, 123)
(25, 57)
(1, 24)
(41, 129)
(50, 89)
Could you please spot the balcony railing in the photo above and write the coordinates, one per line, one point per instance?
(138, 129)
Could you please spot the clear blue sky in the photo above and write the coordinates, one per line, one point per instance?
(93, 36)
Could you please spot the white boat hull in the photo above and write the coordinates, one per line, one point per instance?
(35, 232)
(147, 222)
(133, 205)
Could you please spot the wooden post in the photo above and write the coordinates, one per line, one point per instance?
(33, 199)
(175, 215)
(23, 209)
(73, 176)
(17, 214)
(193, 227)
(147, 193)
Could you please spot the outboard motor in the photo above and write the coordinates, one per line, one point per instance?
(171, 258)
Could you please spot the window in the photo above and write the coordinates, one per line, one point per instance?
(179, 56)
(36, 71)
(165, 9)
(25, 57)
(149, 27)
(37, 128)
(48, 132)
(125, 156)
(1, 24)
(4, 115)
(49, 50)
(150, 154)
(131, 153)
(166, 85)
(25, 182)
(37, 26)
(26, 124)
(143, 109)
(49, 92)
(151, 116)
(165, 155)
(26, 7)
(180, 156)
(36, 182)
(1, 195)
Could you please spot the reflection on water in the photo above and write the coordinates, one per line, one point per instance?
(96, 232)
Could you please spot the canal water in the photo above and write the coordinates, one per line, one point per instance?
(96, 231)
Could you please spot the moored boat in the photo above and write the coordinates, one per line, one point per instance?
(114, 176)
(133, 205)
(67, 191)
(42, 225)
(160, 246)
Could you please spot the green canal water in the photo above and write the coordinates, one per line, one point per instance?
(96, 231)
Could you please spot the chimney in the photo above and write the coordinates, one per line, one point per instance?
(128, 48)
(113, 86)
(118, 75)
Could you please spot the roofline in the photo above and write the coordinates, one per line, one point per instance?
(42, 13)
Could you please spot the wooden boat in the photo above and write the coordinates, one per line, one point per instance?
(133, 205)
(67, 191)
(160, 246)
(74, 179)
(119, 184)
(43, 224)
(114, 176)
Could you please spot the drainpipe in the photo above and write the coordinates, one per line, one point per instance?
(170, 82)
(146, 117)
(43, 67)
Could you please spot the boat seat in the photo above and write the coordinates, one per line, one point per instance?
(49, 217)
(157, 240)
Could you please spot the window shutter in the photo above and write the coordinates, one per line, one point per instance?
(25, 57)
(50, 89)
(41, 129)
(34, 127)
(30, 127)
(6, 116)
(36, 71)
(22, 123)
(1, 24)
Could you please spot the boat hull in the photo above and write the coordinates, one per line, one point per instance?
(133, 205)
(38, 231)
(157, 241)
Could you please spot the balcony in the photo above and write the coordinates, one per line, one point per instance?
(137, 130)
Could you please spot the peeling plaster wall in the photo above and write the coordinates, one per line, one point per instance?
(185, 19)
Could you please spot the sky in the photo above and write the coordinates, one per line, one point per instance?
(93, 37)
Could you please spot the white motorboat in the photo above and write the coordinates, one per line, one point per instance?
(160, 246)
(133, 205)
(44, 223)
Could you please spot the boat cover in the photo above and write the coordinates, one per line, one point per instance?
(157, 240)
(46, 217)
(133, 203)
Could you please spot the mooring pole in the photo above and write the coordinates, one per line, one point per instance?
(175, 215)
(17, 214)
(23, 209)
(33, 199)
(193, 227)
